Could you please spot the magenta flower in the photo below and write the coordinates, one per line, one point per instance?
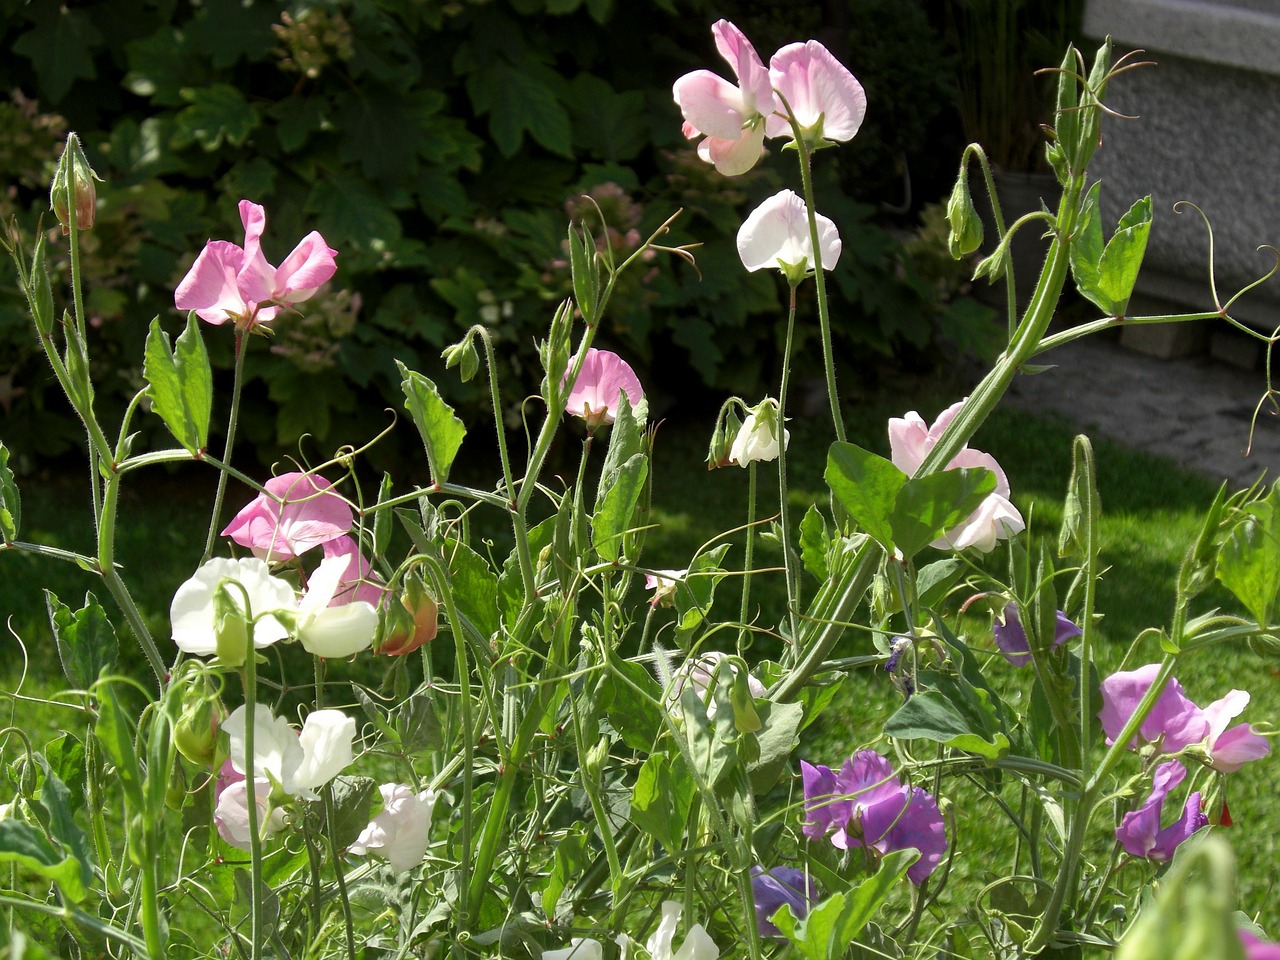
(825, 98)
(1140, 833)
(1011, 638)
(604, 377)
(776, 234)
(733, 120)
(996, 518)
(773, 888)
(294, 514)
(1173, 723)
(866, 805)
(1229, 750)
(231, 283)
(1255, 949)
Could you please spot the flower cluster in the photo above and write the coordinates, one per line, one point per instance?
(867, 805)
(237, 284)
(911, 439)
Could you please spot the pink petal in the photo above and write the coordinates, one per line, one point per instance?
(1174, 720)
(1233, 749)
(209, 288)
(710, 104)
(257, 277)
(305, 270)
(818, 86)
(733, 157)
(908, 442)
(603, 379)
(357, 581)
(753, 79)
(777, 232)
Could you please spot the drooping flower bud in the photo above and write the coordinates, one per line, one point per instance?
(197, 734)
(230, 629)
(966, 225)
(727, 428)
(463, 355)
(411, 623)
(73, 184)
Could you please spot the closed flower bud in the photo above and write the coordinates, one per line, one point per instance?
(197, 733)
(230, 629)
(462, 355)
(727, 429)
(412, 622)
(966, 226)
(73, 184)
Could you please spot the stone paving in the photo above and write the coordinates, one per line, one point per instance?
(1194, 411)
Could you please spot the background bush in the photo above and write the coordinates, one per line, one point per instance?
(440, 147)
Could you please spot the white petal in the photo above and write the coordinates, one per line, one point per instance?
(325, 742)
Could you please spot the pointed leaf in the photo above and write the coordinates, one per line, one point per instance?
(86, 639)
(927, 507)
(613, 514)
(11, 500)
(24, 844)
(1249, 560)
(180, 383)
(866, 486)
(661, 800)
(441, 430)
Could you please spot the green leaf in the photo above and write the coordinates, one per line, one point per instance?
(23, 844)
(814, 543)
(441, 430)
(612, 517)
(1106, 276)
(927, 507)
(10, 500)
(352, 801)
(59, 819)
(385, 131)
(866, 486)
(631, 699)
(475, 588)
(519, 99)
(661, 800)
(60, 47)
(418, 726)
(216, 113)
(115, 734)
(778, 736)
(695, 593)
(833, 924)
(607, 124)
(933, 716)
(180, 384)
(626, 439)
(571, 859)
(1249, 560)
(86, 639)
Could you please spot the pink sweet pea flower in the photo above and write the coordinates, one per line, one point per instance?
(776, 234)
(358, 583)
(1229, 750)
(294, 514)
(1255, 949)
(826, 99)
(401, 832)
(603, 378)
(664, 584)
(1174, 722)
(1140, 833)
(228, 282)
(733, 120)
(996, 518)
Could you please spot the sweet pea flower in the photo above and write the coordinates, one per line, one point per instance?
(580, 948)
(1173, 723)
(757, 438)
(228, 282)
(358, 582)
(733, 120)
(1011, 638)
(298, 761)
(701, 672)
(995, 519)
(193, 615)
(1229, 750)
(1140, 833)
(825, 98)
(697, 945)
(866, 805)
(773, 888)
(231, 813)
(400, 833)
(776, 234)
(332, 631)
(1255, 949)
(603, 379)
(295, 512)
(664, 584)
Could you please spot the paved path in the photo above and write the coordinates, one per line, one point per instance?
(1194, 411)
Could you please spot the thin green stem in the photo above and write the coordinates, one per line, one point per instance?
(233, 418)
(748, 560)
(335, 858)
(256, 917)
(784, 505)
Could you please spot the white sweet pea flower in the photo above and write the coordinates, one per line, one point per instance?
(328, 631)
(757, 438)
(580, 948)
(297, 762)
(776, 234)
(400, 833)
(192, 615)
(232, 813)
(697, 945)
(701, 672)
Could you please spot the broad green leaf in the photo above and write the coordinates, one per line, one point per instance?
(626, 439)
(60, 46)
(661, 800)
(832, 925)
(475, 588)
(814, 543)
(86, 639)
(933, 715)
(510, 583)
(441, 430)
(418, 726)
(927, 507)
(695, 593)
(23, 844)
(1106, 275)
(115, 734)
(10, 500)
(631, 699)
(613, 514)
(352, 800)
(778, 736)
(607, 124)
(216, 113)
(519, 99)
(935, 579)
(711, 739)
(1249, 560)
(867, 486)
(180, 383)
(59, 819)
(1087, 245)
(570, 861)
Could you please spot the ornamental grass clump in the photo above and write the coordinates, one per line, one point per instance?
(370, 732)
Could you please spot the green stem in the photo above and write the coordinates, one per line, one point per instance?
(232, 420)
(86, 920)
(326, 796)
(256, 917)
(748, 560)
(106, 564)
(792, 575)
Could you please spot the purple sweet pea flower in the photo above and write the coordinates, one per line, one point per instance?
(1255, 949)
(1229, 750)
(866, 805)
(772, 888)
(1139, 831)
(1012, 639)
(1174, 722)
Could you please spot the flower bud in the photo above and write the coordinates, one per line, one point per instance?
(196, 734)
(462, 354)
(966, 226)
(230, 630)
(555, 351)
(73, 184)
(411, 623)
(727, 428)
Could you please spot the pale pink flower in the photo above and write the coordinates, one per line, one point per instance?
(776, 234)
(295, 513)
(231, 812)
(732, 119)
(996, 518)
(1229, 750)
(664, 584)
(299, 762)
(824, 96)
(228, 282)
(358, 581)
(401, 832)
(1174, 721)
(328, 630)
(603, 379)
(700, 673)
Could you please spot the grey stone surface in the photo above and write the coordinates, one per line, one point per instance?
(1193, 411)
(1235, 33)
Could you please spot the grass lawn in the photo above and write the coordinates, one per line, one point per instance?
(1151, 513)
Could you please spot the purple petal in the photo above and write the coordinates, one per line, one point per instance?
(775, 887)
(823, 809)
(1174, 721)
